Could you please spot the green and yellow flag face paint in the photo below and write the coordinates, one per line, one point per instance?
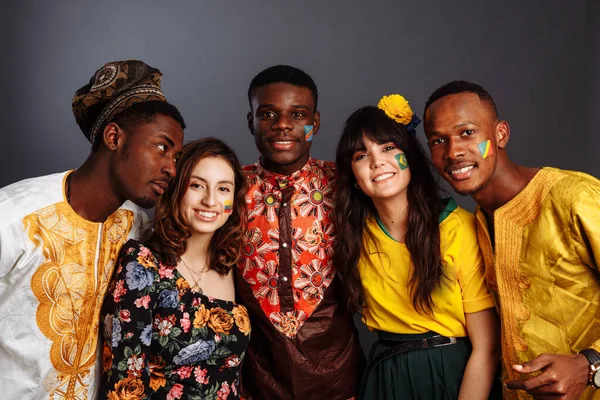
(401, 158)
(486, 149)
(228, 206)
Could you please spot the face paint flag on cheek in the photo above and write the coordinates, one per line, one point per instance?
(486, 149)
(308, 133)
(401, 158)
(228, 207)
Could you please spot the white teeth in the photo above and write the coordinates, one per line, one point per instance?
(287, 142)
(384, 176)
(462, 170)
(207, 214)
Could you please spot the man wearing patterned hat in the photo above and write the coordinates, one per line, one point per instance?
(60, 233)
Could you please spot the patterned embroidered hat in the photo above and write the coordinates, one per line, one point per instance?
(113, 88)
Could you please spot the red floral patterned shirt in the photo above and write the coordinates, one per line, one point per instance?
(287, 250)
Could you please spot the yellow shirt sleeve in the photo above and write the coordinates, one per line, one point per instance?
(470, 269)
(585, 231)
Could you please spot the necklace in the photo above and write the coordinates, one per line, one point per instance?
(69, 189)
(196, 288)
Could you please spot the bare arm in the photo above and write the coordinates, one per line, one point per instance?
(484, 333)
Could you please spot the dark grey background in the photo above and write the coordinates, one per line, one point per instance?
(539, 59)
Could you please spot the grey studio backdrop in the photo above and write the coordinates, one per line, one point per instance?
(539, 59)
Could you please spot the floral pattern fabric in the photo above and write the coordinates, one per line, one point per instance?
(161, 340)
(309, 238)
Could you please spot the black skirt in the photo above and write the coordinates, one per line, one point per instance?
(426, 374)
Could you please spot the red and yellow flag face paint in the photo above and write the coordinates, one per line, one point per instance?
(228, 206)
(486, 149)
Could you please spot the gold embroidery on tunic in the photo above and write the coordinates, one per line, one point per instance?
(543, 307)
(69, 293)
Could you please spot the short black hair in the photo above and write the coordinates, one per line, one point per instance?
(142, 113)
(456, 87)
(283, 74)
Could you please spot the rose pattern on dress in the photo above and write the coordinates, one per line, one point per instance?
(150, 306)
(138, 276)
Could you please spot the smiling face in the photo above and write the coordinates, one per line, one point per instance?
(145, 159)
(381, 170)
(464, 137)
(280, 113)
(206, 205)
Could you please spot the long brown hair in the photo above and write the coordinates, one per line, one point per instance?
(353, 208)
(168, 238)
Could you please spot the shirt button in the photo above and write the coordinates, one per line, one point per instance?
(284, 278)
(285, 204)
(284, 245)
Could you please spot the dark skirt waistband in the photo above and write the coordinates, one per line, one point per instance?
(402, 337)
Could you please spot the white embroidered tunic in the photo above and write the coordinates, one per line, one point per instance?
(54, 271)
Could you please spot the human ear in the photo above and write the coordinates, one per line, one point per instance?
(112, 136)
(250, 120)
(502, 134)
(316, 122)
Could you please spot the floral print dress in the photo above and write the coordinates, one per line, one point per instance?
(163, 341)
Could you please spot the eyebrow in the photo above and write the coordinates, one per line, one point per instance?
(293, 106)
(265, 105)
(167, 139)
(204, 180)
(437, 133)
(464, 124)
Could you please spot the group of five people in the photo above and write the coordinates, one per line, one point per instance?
(245, 282)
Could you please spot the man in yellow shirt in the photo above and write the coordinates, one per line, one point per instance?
(538, 231)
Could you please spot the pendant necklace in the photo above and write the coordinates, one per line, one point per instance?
(196, 288)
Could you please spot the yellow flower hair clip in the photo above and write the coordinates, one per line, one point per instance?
(397, 108)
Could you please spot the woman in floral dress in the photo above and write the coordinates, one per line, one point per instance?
(171, 327)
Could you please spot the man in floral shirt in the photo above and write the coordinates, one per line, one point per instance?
(304, 343)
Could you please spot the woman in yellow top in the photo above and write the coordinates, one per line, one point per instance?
(410, 262)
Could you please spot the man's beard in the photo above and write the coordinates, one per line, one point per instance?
(145, 202)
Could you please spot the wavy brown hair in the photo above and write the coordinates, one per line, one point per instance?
(353, 208)
(168, 238)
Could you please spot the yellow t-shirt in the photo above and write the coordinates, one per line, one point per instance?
(385, 280)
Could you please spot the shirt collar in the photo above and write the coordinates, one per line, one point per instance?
(283, 181)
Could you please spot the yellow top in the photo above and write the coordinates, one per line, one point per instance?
(545, 279)
(385, 279)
